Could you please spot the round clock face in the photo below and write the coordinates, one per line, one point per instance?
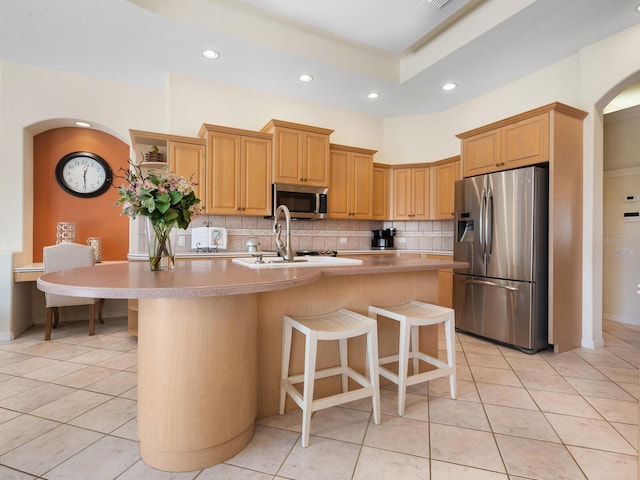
(83, 174)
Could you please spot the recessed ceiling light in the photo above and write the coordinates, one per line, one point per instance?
(305, 77)
(372, 95)
(210, 54)
(83, 124)
(638, 8)
(449, 86)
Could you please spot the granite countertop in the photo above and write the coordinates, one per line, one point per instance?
(214, 277)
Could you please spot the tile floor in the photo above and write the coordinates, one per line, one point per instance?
(68, 411)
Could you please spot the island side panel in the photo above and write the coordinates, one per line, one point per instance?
(196, 379)
(354, 292)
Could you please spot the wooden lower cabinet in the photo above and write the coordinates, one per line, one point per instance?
(445, 282)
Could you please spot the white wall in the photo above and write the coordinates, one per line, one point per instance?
(30, 95)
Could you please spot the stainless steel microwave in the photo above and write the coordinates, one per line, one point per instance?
(304, 202)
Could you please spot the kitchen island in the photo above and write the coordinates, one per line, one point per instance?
(210, 340)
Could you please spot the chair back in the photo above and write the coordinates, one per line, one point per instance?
(63, 257)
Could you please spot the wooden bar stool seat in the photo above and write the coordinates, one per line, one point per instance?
(339, 325)
(411, 316)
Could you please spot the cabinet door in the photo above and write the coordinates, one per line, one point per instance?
(525, 142)
(315, 159)
(339, 193)
(188, 160)
(481, 153)
(289, 146)
(446, 176)
(256, 176)
(223, 174)
(420, 193)
(401, 193)
(361, 185)
(445, 282)
(380, 194)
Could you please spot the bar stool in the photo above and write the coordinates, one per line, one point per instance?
(339, 325)
(411, 316)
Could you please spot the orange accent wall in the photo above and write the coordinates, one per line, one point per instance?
(94, 217)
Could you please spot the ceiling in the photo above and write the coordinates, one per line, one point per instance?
(404, 49)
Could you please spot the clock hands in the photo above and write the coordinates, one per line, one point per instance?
(84, 176)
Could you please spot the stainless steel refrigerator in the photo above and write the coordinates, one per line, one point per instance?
(501, 230)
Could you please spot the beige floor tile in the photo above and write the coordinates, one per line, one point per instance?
(564, 358)
(22, 429)
(27, 365)
(463, 372)
(564, 403)
(131, 394)
(627, 353)
(101, 341)
(399, 434)
(65, 352)
(70, 406)
(538, 460)
(105, 459)
(129, 430)
(599, 388)
(227, 472)
(375, 464)
(450, 471)
(485, 360)
(616, 410)
(625, 375)
(116, 384)
(458, 413)
(107, 416)
(94, 356)
(484, 348)
(466, 390)
(340, 424)
(52, 372)
(17, 385)
(50, 449)
(7, 358)
(600, 465)
(35, 397)
(577, 370)
(10, 474)
(84, 377)
(520, 423)
(311, 463)
(543, 381)
(589, 433)
(142, 471)
(498, 376)
(268, 449)
(416, 407)
(602, 358)
(6, 415)
(291, 420)
(530, 363)
(632, 389)
(41, 349)
(505, 396)
(121, 361)
(463, 446)
(629, 432)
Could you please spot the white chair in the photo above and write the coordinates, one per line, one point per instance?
(411, 316)
(339, 325)
(63, 257)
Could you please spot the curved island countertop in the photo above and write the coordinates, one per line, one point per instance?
(209, 339)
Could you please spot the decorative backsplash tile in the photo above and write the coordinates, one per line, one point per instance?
(338, 235)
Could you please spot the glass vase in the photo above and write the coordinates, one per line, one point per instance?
(161, 243)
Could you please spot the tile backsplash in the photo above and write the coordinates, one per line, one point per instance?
(338, 235)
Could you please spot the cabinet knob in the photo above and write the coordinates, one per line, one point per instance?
(498, 164)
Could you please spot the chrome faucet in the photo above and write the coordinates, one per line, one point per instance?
(284, 249)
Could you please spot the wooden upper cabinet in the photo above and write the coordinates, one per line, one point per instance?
(189, 161)
(380, 192)
(351, 182)
(410, 193)
(238, 174)
(511, 145)
(300, 153)
(445, 175)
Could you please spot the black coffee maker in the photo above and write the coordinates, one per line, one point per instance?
(383, 238)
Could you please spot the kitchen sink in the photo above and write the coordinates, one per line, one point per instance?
(302, 261)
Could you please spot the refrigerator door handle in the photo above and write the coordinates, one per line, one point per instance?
(481, 220)
(488, 225)
(491, 284)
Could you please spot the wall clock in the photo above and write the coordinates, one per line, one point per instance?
(83, 174)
